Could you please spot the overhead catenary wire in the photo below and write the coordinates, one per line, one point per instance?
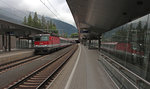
(52, 6)
(49, 9)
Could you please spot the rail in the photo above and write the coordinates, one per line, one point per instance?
(15, 63)
(55, 65)
(55, 71)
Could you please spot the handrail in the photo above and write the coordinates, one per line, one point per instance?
(133, 86)
(138, 78)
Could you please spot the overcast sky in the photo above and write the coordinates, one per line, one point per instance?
(58, 7)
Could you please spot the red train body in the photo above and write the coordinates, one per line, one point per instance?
(45, 43)
(51, 40)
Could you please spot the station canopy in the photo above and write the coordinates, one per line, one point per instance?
(18, 29)
(104, 15)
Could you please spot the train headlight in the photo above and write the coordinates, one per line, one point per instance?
(143, 56)
(133, 54)
(45, 45)
(35, 45)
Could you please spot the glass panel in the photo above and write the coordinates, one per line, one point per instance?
(37, 38)
(129, 45)
(41, 38)
(44, 38)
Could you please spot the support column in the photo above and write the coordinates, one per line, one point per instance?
(32, 43)
(6, 42)
(3, 43)
(28, 42)
(19, 43)
(9, 42)
(99, 42)
(89, 43)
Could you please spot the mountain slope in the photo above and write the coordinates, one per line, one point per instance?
(17, 17)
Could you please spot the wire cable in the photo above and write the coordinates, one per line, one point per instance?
(54, 8)
(49, 9)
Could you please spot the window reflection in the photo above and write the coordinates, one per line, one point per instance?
(130, 45)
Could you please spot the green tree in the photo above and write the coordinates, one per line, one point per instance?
(39, 24)
(30, 21)
(35, 20)
(53, 26)
(74, 35)
(25, 20)
(43, 22)
(65, 35)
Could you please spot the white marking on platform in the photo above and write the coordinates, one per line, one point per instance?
(72, 73)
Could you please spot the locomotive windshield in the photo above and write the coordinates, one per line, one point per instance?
(41, 38)
(37, 38)
(44, 38)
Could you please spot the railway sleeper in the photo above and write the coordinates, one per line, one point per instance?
(26, 86)
(31, 83)
(36, 78)
(42, 74)
(40, 77)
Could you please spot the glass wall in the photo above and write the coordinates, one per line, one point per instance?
(129, 44)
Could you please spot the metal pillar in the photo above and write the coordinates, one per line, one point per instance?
(19, 43)
(99, 42)
(6, 42)
(28, 43)
(3, 42)
(32, 43)
(89, 43)
(9, 42)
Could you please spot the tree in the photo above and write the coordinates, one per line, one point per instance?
(74, 35)
(65, 35)
(43, 22)
(25, 20)
(53, 26)
(35, 20)
(30, 21)
(39, 24)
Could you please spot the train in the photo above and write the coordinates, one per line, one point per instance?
(134, 54)
(46, 43)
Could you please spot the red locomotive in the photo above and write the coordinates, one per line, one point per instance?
(45, 43)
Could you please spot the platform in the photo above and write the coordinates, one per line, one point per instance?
(83, 71)
(14, 55)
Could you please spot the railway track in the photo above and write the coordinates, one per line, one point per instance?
(15, 63)
(12, 64)
(41, 77)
